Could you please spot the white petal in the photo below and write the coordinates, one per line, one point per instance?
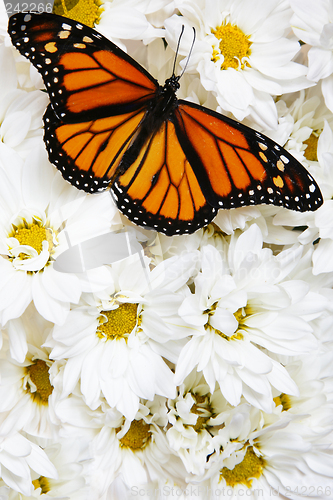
(72, 374)
(133, 471)
(188, 359)
(231, 388)
(327, 89)
(155, 327)
(323, 257)
(40, 463)
(191, 312)
(261, 83)
(261, 401)
(275, 55)
(174, 272)
(37, 180)
(15, 294)
(308, 18)
(112, 21)
(16, 482)
(320, 63)
(7, 67)
(281, 380)
(11, 463)
(319, 464)
(90, 385)
(128, 403)
(18, 340)
(224, 321)
(50, 308)
(233, 88)
(11, 134)
(61, 286)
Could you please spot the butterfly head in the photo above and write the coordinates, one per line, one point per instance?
(172, 83)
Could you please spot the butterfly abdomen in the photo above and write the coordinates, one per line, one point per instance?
(160, 109)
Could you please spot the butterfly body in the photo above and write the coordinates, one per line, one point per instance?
(171, 164)
(159, 110)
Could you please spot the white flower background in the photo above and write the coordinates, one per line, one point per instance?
(202, 369)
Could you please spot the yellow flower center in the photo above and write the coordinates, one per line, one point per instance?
(119, 322)
(311, 143)
(38, 374)
(203, 408)
(240, 316)
(33, 235)
(283, 400)
(137, 437)
(250, 467)
(84, 11)
(43, 483)
(234, 46)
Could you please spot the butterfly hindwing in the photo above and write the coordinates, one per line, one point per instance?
(84, 73)
(159, 189)
(88, 153)
(239, 166)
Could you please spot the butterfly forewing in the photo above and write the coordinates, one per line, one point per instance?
(85, 74)
(243, 167)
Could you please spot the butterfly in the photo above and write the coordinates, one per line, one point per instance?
(170, 164)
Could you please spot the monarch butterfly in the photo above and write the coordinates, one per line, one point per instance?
(171, 164)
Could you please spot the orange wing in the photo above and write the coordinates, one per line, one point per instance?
(86, 75)
(159, 190)
(88, 153)
(237, 166)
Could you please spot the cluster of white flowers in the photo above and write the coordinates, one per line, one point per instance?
(201, 368)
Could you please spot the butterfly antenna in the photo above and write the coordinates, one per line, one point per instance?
(189, 54)
(177, 49)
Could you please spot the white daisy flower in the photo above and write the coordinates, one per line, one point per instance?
(302, 118)
(285, 454)
(68, 456)
(137, 450)
(274, 454)
(313, 374)
(26, 390)
(243, 308)
(241, 52)
(315, 27)
(39, 214)
(195, 416)
(115, 342)
(19, 459)
(319, 224)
